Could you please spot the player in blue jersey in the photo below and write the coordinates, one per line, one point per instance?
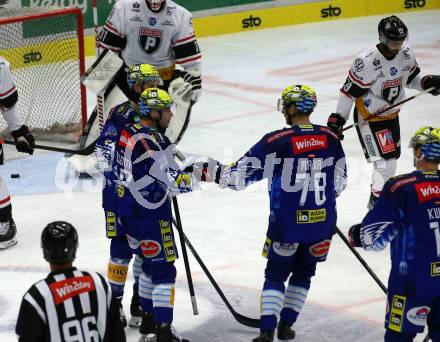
(140, 77)
(305, 167)
(147, 176)
(407, 215)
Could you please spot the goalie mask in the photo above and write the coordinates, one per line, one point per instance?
(154, 99)
(141, 74)
(59, 241)
(303, 97)
(428, 140)
(155, 5)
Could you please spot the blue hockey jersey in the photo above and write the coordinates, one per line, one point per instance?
(147, 173)
(119, 116)
(305, 168)
(407, 214)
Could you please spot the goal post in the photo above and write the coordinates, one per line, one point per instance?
(45, 47)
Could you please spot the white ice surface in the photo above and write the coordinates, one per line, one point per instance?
(243, 77)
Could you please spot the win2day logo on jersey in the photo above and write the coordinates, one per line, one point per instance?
(306, 143)
(150, 40)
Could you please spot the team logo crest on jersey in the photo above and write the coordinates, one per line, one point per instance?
(391, 90)
(152, 21)
(386, 141)
(393, 71)
(150, 40)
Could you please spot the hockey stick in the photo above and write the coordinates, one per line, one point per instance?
(371, 116)
(85, 151)
(244, 320)
(178, 225)
(362, 261)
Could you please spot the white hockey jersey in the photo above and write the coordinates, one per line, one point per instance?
(375, 83)
(142, 36)
(8, 96)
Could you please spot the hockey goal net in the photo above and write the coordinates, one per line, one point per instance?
(45, 47)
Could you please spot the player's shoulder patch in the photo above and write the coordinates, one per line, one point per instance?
(396, 182)
(273, 136)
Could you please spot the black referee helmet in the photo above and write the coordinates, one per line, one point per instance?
(59, 241)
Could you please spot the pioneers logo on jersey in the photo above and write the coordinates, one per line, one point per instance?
(68, 288)
(391, 90)
(150, 40)
(386, 142)
(307, 143)
(428, 191)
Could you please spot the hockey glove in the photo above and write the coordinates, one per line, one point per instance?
(186, 87)
(432, 81)
(336, 122)
(209, 171)
(24, 140)
(354, 235)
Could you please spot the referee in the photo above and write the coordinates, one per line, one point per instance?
(69, 305)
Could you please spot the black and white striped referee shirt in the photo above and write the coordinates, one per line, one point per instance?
(69, 305)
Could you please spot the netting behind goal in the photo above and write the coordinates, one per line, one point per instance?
(45, 47)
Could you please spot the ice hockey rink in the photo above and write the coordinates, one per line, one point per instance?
(244, 75)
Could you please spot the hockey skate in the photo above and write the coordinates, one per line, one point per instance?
(167, 333)
(8, 230)
(147, 325)
(121, 311)
(135, 312)
(285, 332)
(266, 336)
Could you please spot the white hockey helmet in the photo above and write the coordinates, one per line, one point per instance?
(155, 5)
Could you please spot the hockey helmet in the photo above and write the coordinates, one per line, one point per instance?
(392, 29)
(59, 241)
(155, 5)
(141, 73)
(428, 140)
(154, 98)
(303, 97)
